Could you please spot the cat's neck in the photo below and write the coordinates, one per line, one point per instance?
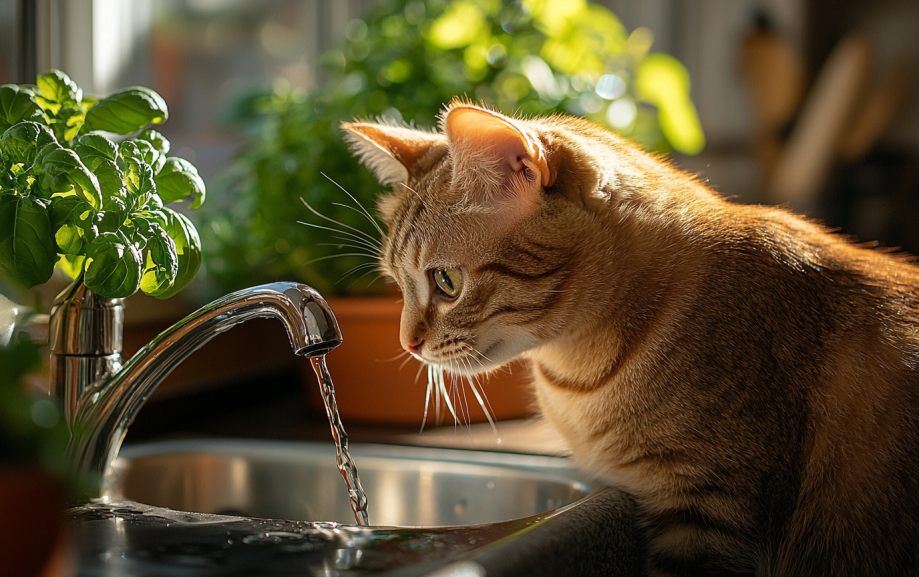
(647, 265)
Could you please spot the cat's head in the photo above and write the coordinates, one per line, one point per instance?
(471, 240)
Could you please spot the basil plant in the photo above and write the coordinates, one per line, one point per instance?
(90, 204)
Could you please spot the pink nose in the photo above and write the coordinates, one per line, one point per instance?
(413, 345)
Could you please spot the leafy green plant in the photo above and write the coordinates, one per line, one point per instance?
(405, 60)
(72, 198)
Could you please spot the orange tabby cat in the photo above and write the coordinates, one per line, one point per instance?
(750, 378)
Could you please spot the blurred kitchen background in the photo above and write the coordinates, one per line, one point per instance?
(200, 54)
(809, 103)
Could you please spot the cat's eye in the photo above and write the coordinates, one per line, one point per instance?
(449, 281)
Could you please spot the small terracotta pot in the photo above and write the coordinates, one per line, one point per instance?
(374, 384)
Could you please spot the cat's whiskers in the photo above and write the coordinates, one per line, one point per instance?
(436, 399)
(482, 399)
(363, 210)
(327, 257)
(335, 230)
(373, 248)
(458, 383)
(358, 279)
(354, 231)
(405, 362)
(427, 396)
(445, 394)
(461, 373)
(357, 268)
(480, 355)
(472, 379)
(414, 192)
(345, 244)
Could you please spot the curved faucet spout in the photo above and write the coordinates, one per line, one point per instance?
(103, 410)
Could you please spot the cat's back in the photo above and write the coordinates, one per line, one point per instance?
(828, 332)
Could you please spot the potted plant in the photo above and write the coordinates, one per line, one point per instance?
(35, 481)
(73, 199)
(403, 61)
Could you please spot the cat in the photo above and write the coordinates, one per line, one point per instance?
(749, 377)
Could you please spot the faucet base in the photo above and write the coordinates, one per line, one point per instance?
(78, 376)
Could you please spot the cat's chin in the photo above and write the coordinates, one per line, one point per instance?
(492, 358)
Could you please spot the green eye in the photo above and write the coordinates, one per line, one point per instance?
(449, 281)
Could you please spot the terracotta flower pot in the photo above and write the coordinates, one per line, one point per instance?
(374, 384)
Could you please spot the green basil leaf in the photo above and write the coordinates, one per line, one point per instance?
(139, 180)
(99, 154)
(71, 265)
(113, 266)
(188, 251)
(161, 259)
(68, 124)
(88, 102)
(129, 151)
(138, 175)
(22, 142)
(146, 152)
(179, 179)
(69, 240)
(16, 105)
(158, 141)
(57, 88)
(118, 203)
(27, 252)
(60, 169)
(69, 210)
(154, 203)
(69, 216)
(105, 221)
(127, 111)
(111, 179)
(94, 147)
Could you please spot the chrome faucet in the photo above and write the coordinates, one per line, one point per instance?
(101, 397)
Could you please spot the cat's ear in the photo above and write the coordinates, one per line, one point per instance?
(496, 154)
(392, 152)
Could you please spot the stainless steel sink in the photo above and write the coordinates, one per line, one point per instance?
(406, 486)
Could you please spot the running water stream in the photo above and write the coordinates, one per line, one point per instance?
(345, 463)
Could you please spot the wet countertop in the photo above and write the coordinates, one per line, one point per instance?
(596, 536)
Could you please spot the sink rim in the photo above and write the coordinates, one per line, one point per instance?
(558, 469)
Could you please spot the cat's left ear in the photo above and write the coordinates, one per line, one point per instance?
(495, 153)
(392, 152)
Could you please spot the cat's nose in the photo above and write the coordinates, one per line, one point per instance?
(413, 345)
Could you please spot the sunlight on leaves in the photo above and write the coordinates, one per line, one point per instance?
(664, 82)
(459, 26)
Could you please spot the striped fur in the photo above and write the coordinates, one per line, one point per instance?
(750, 378)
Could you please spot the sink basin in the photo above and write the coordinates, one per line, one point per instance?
(254, 508)
(406, 486)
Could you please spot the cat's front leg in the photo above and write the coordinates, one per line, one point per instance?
(680, 546)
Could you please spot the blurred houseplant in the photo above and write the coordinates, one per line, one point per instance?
(403, 61)
(73, 199)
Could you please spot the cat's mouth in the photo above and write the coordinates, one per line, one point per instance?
(467, 362)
